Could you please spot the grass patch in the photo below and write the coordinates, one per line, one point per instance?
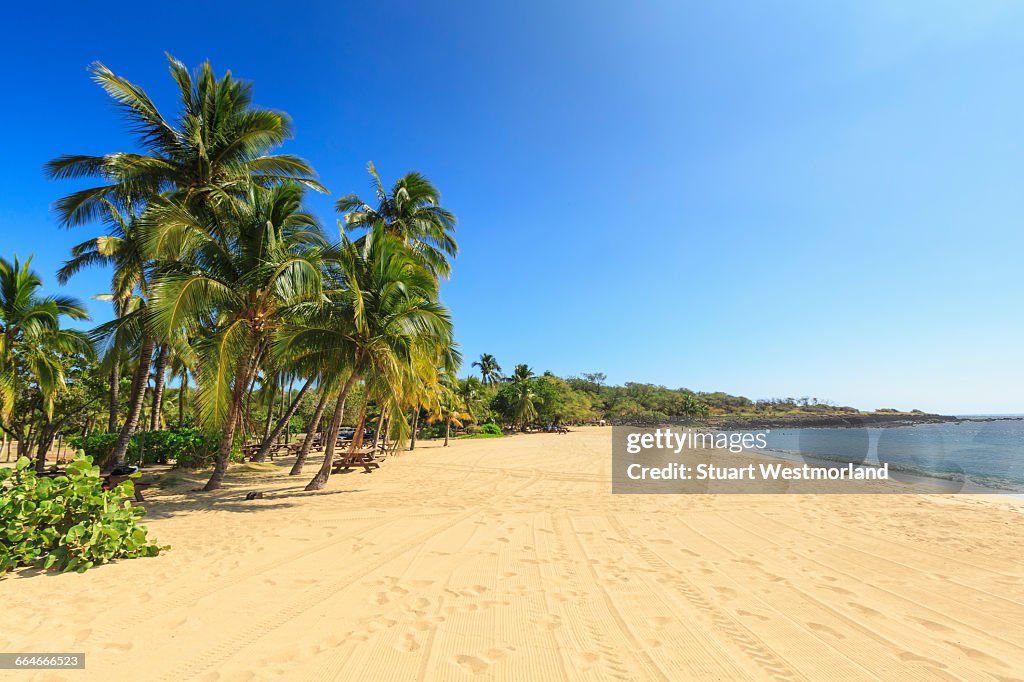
(482, 435)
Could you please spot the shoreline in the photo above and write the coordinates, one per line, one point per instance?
(861, 420)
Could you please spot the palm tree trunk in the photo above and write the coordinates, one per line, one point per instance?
(447, 429)
(415, 423)
(139, 381)
(45, 441)
(321, 407)
(357, 437)
(380, 425)
(269, 439)
(288, 428)
(227, 439)
(158, 388)
(320, 480)
(114, 398)
(270, 413)
(182, 390)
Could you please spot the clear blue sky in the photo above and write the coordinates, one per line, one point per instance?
(810, 198)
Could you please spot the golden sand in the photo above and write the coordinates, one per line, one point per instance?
(510, 559)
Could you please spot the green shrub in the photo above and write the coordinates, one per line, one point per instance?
(69, 522)
(97, 446)
(491, 429)
(429, 431)
(188, 447)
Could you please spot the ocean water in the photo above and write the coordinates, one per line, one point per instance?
(970, 455)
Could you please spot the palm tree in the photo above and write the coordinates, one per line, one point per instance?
(232, 288)
(471, 394)
(381, 306)
(213, 151)
(412, 212)
(448, 406)
(524, 410)
(490, 370)
(31, 340)
(522, 373)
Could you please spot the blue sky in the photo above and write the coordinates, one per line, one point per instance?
(817, 199)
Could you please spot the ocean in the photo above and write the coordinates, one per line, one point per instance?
(981, 453)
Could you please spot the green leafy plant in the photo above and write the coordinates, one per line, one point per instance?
(188, 447)
(490, 429)
(68, 522)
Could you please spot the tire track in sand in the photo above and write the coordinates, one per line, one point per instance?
(747, 642)
(318, 594)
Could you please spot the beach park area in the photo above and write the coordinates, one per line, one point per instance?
(510, 559)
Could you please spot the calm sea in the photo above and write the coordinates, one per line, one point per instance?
(987, 454)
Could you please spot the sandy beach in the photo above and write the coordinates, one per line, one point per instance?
(510, 559)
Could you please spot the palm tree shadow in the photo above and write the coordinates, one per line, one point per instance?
(161, 507)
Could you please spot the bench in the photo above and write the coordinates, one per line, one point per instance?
(368, 459)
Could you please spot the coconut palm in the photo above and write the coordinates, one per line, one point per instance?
(381, 305)
(448, 406)
(471, 392)
(524, 410)
(231, 291)
(490, 370)
(411, 211)
(522, 373)
(211, 152)
(31, 340)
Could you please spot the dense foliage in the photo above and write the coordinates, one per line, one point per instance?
(69, 522)
(187, 447)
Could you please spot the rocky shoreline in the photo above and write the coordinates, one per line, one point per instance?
(813, 421)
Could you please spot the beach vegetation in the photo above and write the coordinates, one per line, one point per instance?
(68, 522)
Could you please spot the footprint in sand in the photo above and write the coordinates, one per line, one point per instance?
(930, 624)
(818, 627)
(976, 655)
(585, 660)
(838, 590)
(472, 664)
(119, 646)
(743, 612)
(410, 643)
(866, 610)
(481, 662)
(911, 657)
